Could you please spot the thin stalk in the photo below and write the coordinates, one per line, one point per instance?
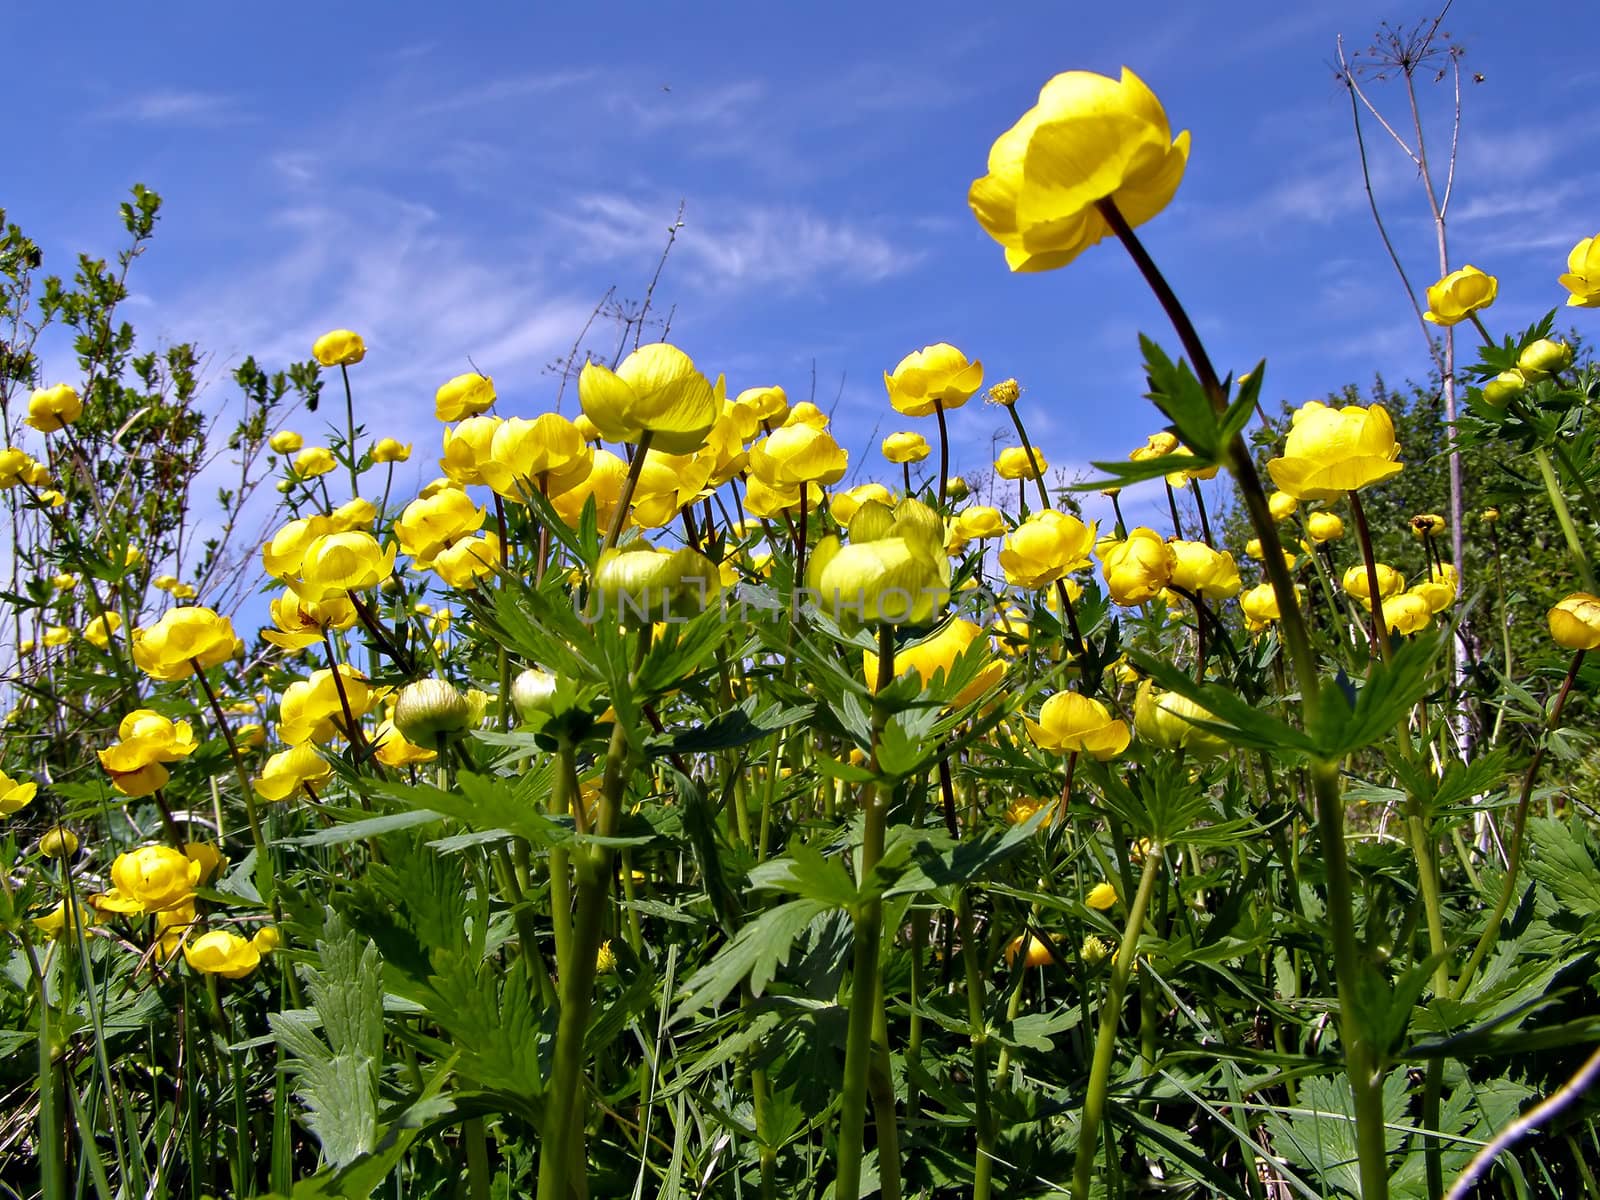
(1105, 1041)
(1380, 627)
(1027, 446)
(620, 515)
(983, 1118)
(1569, 529)
(350, 430)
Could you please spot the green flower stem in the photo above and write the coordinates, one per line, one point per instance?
(1504, 617)
(1578, 480)
(629, 485)
(864, 994)
(562, 797)
(920, 920)
(1380, 627)
(1519, 821)
(1360, 1056)
(246, 791)
(1105, 1042)
(944, 451)
(350, 430)
(1205, 519)
(1027, 446)
(1172, 508)
(983, 1118)
(52, 1149)
(477, 1158)
(1569, 529)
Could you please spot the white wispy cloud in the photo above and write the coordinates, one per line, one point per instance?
(177, 106)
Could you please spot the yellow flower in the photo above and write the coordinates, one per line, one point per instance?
(1137, 568)
(1544, 357)
(267, 939)
(666, 483)
(939, 653)
(57, 635)
(604, 481)
(762, 499)
(183, 638)
(1583, 274)
(605, 959)
(1073, 724)
(1167, 720)
(936, 375)
(756, 407)
(1331, 451)
(314, 461)
(1044, 548)
(312, 711)
(289, 770)
(806, 413)
(1021, 809)
(1281, 505)
(1199, 569)
(15, 794)
(101, 629)
(1439, 590)
(656, 389)
(798, 454)
(467, 449)
(427, 526)
(546, 455)
(391, 450)
(281, 557)
(844, 505)
(219, 952)
(393, 750)
(1101, 896)
(723, 455)
(1260, 606)
(286, 441)
(902, 448)
(1016, 463)
(1324, 526)
(467, 560)
(57, 842)
(211, 859)
(1390, 583)
(979, 522)
(648, 585)
(1005, 393)
(1426, 525)
(55, 923)
(1096, 950)
(64, 582)
(146, 741)
(1034, 952)
(339, 348)
(1504, 388)
(1459, 294)
(250, 736)
(1089, 138)
(1408, 612)
(301, 622)
(50, 409)
(150, 879)
(900, 578)
(337, 563)
(464, 396)
(1575, 622)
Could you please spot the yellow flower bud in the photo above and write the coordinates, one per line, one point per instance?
(901, 448)
(50, 409)
(1575, 622)
(1459, 294)
(339, 348)
(286, 441)
(1504, 388)
(390, 450)
(1073, 724)
(1016, 463)
(1544, 357)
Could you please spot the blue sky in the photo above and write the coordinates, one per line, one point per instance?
(467, 180)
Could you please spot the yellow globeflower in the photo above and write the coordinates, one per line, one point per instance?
(1409, 612)
(648, 585)
(1089, 138)
(1016, 463)
(15, 794)
(1101, 896)
(1281, 505)
(1331, 451)
(339, 348)
(221, 953)
(1460, 294)
(464, 396)
(979, 522)
(1426, 525)
(1034, 952)
(1137, 568)
(1202, 571)
(1167, 720)
(1575, 622)
(59, 842)
(656, 389)
(286, 441)
(936, 375)
(394, 751)
(55, 923)
(939, 653)
(100, 630)
(894, 571)
(355, 513)
(150, 879)
(904, 448)
(603, 483)
(467, 560)
(183, 638)
(1073, 724)
(844, 505)
(50, 409)
(314, 461)
(1044, 548)
(1390, 583)
(1260, 606)
(57, 635)
(1324, 526)
(546, 455)
(312, 711)
(756, 407)
(427, 525)
(283, 554)
(391, 450)
(467, 449)
(289, 770)
(300, 623)
(1440, 588)
(798, 454)
(1583, 274)
(146, 741)
(337, 563)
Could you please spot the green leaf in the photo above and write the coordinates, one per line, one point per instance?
(355, 831)
(806, 873)
(737, 727)
(755, 951)
(1562, 861)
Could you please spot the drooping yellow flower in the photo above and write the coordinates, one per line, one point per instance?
(1575, 622)
(464, 396)
(656, 389)
(1460, 294)
(100, 630)
(1070, 723)
(1137, 568)
(218, 952)
(1044, 548)
(466, 561)
(312, 711)
(338, 563)
(1202, 571)
(53, 408)
(339, 348)
(936, 375)
(546, 456)
(289, 770)
(939, 653)
(391, 450)
(150, 879)
(1089, 138)
(1331, 451)
(903, 448)
(1583, 274)
(15, 794)
(183, 638)
(1016, 463)
(314, 461)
